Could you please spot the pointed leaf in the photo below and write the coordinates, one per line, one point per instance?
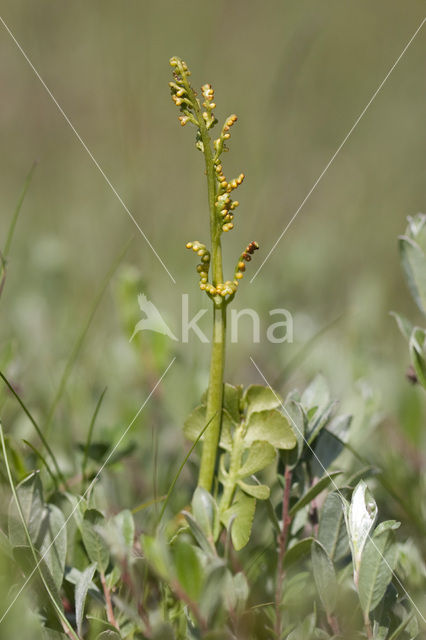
(319, 421)
(188, 569)
(316, 395)
(205, 512)
(329, 444)
(325, 577)
(314, 491)
(126, 525)
(378, 560)
(81, 589)
(299, 550)
(404, 325)
(157, 554)
(216, 579)
(25, 559)
(417, 346)
(30, 495)
(332, 532)
(414, 264)
(94, 543)
(198, 533)
(54, 542)
(360, 517)
(270, 426)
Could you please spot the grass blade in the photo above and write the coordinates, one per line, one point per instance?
(43, 459)
(80, 338)
(17, 211)
(6, 249)
(89, 435)
(36, 427)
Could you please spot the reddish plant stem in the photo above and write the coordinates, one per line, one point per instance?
(367, 625)
(334, 625)
(282, 546)
(109, 609)
(193, 606)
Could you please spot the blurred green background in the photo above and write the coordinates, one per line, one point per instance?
(298, 74)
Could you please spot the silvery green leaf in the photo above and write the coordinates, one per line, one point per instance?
(414, 263)
(360, 518)
(314, 491)
(206, 544)
(156, 552)
(332, 531)
(404, 325)
(378, 560)
(24, 556)
(213, 589)
(188, 569)
(30, 495)
(81, 589)
(93, 540)
(417, 346)
(301, 549)
(316, 395)
(205, 512)
(53, 546)
(126, 525)
(325, 576)
(304, 630)
(319, 421)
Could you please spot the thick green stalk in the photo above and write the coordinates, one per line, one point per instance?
(217, 361)
(214, 399)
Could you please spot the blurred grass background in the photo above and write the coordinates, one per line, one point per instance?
(298, 74)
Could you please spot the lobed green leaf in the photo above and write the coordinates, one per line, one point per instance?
(270, 426)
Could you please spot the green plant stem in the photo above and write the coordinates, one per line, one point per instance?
(214, 399)
(217, 361)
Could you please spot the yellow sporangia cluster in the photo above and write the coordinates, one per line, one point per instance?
(229, 287)
(201, 115)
